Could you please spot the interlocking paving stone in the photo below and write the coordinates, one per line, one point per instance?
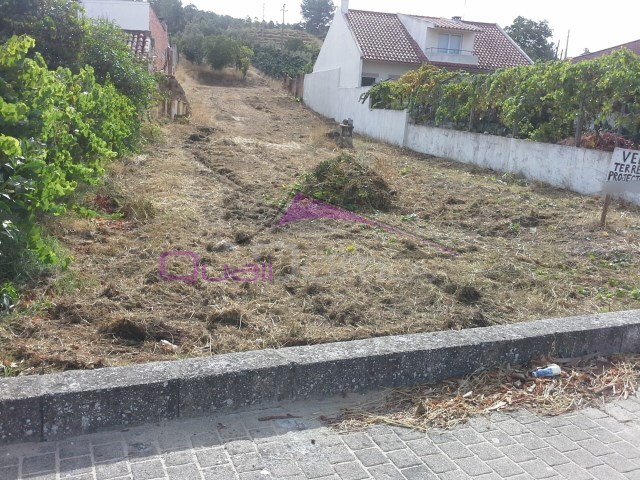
(110, 470)
(223, 472)
(573, 472)
(439, 463)
(212, 457)
(468, 436)
(530, 441)
(538, 469)
(39, 464)
(584, 458)
(596, 447)
(574, 433)
(358, 441)
(486, 451)
(473, 466)
(237, 446)
(147, 470)
(108, 451)
(9, 473)
(181, 472)
(551, 456)
(351, 471)
(316, 469)
(517, 453)
(247, 462)
(512, 427)
(423, 447)
(605, 472)
(386, 472)
(455, 450)
(562, 444)
(404, 458)
(388, 442)
(620, 464)
(419, 473)
(505, 467)
(75, 465)
(498, 437)
(371, 456)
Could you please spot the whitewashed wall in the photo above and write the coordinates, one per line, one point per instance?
(578, 169)
(126, 14)
(322, 96)
(340, 51)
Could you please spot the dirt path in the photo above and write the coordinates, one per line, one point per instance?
(525, 251)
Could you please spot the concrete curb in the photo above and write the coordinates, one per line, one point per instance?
(53, 407)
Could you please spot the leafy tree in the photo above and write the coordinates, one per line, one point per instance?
(221, 51)
(294, 44)
(59, 129)
(105, 49)
(171, 12)
(192, 45)
(277, 63)
(533, 37)
(55, 25)
(65, 39)
(244, 55)
(317, 15)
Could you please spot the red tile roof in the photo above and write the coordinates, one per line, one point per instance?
(446, 23)
(633, 46)
(139, 42)
(495, 49)
(383, 37)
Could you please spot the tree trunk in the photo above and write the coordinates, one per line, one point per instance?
(579, 125)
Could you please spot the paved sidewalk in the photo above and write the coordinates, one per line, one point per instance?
(261, 444)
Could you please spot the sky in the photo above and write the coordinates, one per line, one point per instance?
(593, 25)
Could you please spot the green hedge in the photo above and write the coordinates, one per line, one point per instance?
(59, 129)
(540, 102)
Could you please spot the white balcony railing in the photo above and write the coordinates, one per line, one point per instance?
(450, 55)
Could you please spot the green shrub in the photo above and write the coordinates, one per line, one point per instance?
(59, 129)
(539, 102)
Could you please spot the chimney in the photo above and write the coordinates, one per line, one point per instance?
(456, 18)
(344, 6)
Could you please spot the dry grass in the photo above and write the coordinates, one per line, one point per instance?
(524, 250)
(589, 381)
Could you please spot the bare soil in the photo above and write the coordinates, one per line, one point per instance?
(223, 178)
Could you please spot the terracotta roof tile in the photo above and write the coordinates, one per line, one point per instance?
(139, 42)
(495, 49)
(447, 23)
(382, 37)
(633, 46)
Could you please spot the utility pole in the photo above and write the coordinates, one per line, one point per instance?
(284, 10)
(566, 51)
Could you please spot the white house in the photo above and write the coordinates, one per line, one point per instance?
(147, 35)
(372, 46)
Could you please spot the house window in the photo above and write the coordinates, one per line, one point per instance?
(449, 43)
(368, 79)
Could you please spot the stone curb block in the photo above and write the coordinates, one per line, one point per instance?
(53, 407)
